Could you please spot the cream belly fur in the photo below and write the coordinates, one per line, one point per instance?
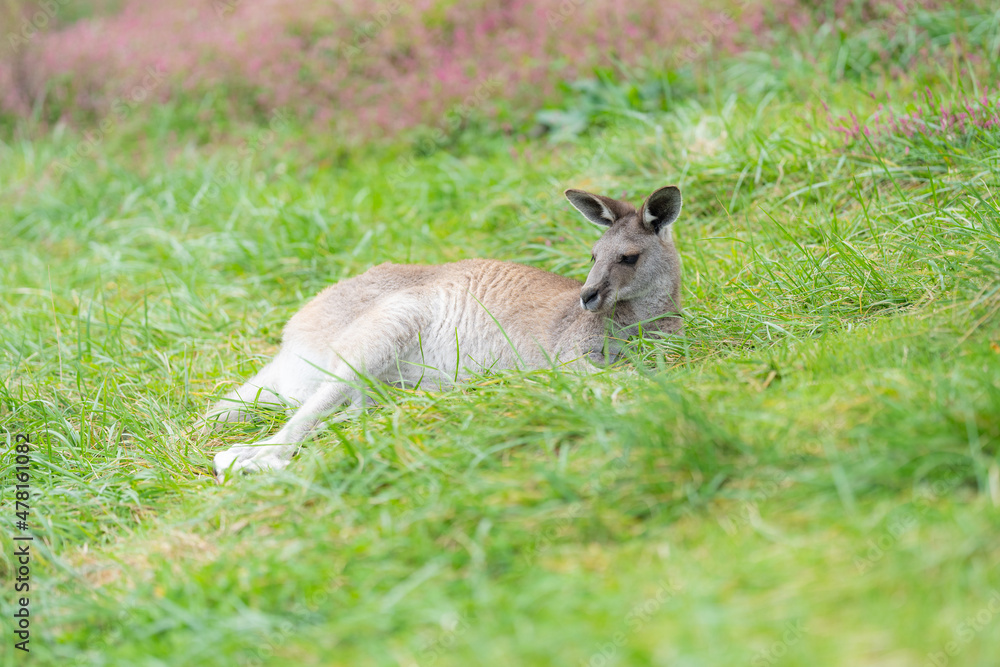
(432, 326)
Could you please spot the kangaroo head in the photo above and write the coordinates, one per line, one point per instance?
(635, 257)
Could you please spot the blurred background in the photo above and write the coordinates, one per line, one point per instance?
(809, 476)
(355, 71)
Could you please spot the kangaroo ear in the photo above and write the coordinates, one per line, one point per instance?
(599, 210)
(661, 208)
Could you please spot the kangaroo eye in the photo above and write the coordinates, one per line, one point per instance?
(630, 259)
(592, 259)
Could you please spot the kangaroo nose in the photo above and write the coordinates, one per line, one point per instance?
(588, 298)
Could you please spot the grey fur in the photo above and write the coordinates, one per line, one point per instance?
(435, 325)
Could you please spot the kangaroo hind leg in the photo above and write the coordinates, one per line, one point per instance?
(240, 405)
(366, 352)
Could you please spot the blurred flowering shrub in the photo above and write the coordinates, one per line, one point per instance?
(925, 117)
(368, 68)
(352, 65)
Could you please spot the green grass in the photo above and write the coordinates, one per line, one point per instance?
(810, 477)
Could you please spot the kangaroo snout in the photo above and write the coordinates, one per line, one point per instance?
(590, 298)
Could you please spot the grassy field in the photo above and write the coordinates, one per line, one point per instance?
(811, 476)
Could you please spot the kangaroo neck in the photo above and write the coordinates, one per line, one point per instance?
(648, 310)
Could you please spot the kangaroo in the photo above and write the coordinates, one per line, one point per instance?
(416, 325)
